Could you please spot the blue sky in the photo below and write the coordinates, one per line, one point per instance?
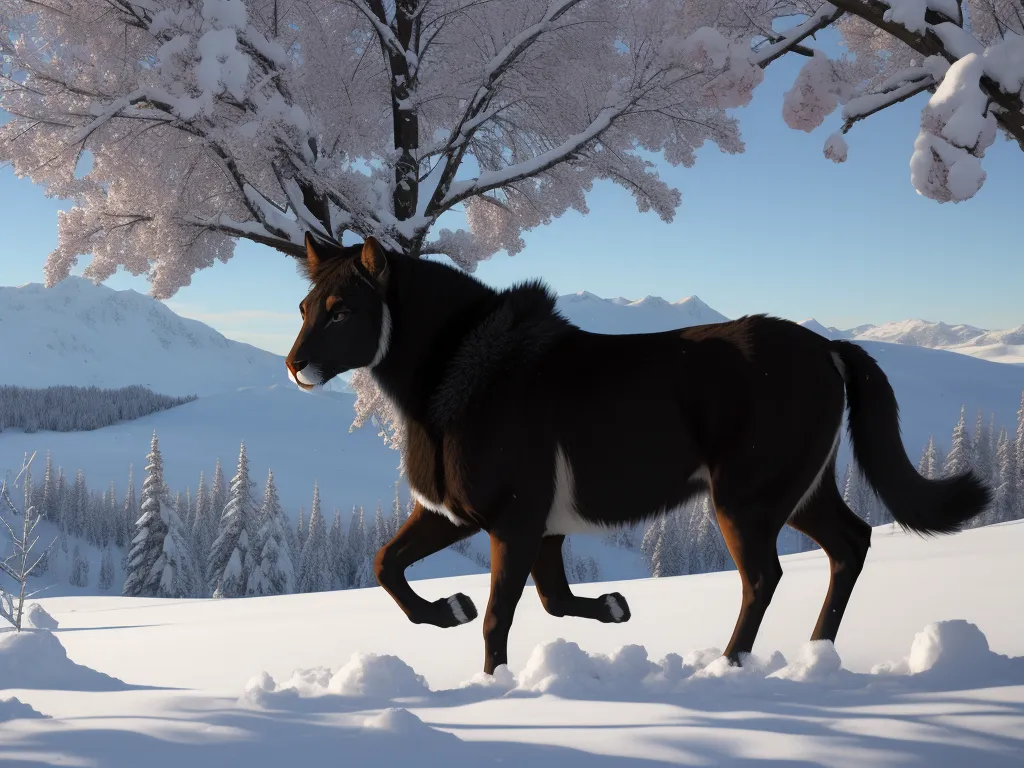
(777, 229)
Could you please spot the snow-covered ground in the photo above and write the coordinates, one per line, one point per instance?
(202, 682)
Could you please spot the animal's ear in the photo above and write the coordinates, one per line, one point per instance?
(313, 256)
(374, 260)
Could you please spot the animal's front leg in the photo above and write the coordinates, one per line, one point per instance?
(558, 599)
(423, 534)
(513, 550)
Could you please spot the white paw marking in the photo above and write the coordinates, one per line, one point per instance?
(460, 615)
(613, 605)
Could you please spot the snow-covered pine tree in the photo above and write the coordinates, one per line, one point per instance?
(60, 501)
(1003, 501)
(300, 531)
(316, 571)
(188, 519)
(355, 548)
(159, 563)
(337, 551)
(960, 455)
(79, 576)
(981, 450)
(395, 518)
(204, 524)
(229, 562)
(106, 577)
(48, 502)
(933, 469)
(665, 558)
(218, 494)
(714, 555)
(79, 506)
(273, 572)
(1017, 508)
(379, 533)
(649, 542)
(129, 512)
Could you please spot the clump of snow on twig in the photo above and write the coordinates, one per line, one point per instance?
(836, 148)
(956, 129)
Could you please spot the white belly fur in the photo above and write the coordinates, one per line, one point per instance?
(564, 518)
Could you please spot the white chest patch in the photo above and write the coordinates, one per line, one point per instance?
(440, 509)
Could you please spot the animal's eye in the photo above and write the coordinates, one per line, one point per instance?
(338, 315)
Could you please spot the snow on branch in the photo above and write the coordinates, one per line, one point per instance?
(790, 40)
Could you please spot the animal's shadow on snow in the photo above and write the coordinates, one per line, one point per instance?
(203, 733)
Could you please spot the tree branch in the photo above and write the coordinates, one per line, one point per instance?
(1010, 116)
(790, 40)
(862, 107)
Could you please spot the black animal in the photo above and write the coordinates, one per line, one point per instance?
(521, 424)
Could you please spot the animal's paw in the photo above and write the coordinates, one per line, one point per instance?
(616, 609)
(455, 610)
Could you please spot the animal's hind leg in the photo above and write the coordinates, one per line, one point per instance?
(558, 599)
(423, 534)
(751, 542)
(845, 539)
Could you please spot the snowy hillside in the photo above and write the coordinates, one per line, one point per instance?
(211, 683)
(85, 334)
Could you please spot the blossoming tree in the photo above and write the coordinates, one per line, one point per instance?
(177, 127)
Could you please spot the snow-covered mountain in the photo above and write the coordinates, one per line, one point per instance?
(86, 334)
(996, 346)
(821, 330)
(641, 316)
(921, 333)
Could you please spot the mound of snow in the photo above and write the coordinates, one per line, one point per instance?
(383, 676)
(366, 675)
(401, 722)
(35, 659)
(501, 680)
(14, 709)
(754, 667)
(562, 668)
(955, 652)
(817, 662)
(36, 617)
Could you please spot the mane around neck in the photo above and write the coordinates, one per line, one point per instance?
(432, 307)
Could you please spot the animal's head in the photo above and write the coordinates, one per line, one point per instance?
(345, 320)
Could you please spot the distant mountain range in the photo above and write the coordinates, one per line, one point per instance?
(997, 346)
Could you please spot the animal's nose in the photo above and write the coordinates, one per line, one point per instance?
(296, 365)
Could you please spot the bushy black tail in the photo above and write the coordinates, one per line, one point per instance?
(917, 503)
